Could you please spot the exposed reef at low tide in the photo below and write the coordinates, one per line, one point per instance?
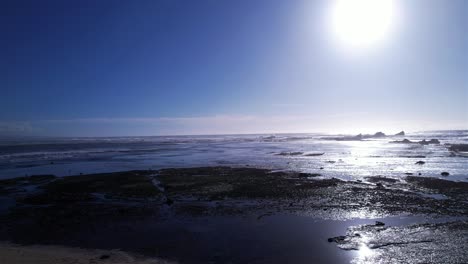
(65, 210)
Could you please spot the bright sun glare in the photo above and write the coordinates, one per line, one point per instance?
(362, 23)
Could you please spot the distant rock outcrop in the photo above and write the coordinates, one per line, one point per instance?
(404, 141)
(433, 141)
(379, 135)
(402, 133)
(459, 147)
(358, 137)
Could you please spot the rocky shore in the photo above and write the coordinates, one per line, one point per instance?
(68, 211)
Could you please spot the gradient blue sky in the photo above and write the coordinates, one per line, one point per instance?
(115, 68)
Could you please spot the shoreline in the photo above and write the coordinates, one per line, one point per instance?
(179, 214)
(42, 254)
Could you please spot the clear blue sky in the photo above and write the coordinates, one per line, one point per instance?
(105, 68)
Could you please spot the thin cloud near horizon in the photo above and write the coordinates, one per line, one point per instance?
(218, 124)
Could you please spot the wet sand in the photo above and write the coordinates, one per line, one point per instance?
(239, 215)
(17, 254)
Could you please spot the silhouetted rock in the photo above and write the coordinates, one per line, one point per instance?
(169, 201)
(357, 137)
(338, 239)
(458, 147)
(104, 257)
(432, 141)
(296, 153)
(402, 133)
(378, 223)
(422, 142)
(445, 174)
(313, 154)
(420, 162)
(404, 141)
(379, 135)
(307, 175)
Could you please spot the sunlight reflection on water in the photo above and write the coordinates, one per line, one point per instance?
(349, 160)
(365, 254)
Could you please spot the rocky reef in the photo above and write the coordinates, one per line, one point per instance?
(433, 141)
(363, 136)
(62, 210)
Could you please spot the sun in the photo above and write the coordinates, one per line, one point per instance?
(362, 23)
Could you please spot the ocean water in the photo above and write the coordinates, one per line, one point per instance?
(298, 152)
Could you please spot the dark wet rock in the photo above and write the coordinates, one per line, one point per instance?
(413, 156)
(306, 175)
(408, 173)
(240, 182)
(432, 141)
(402, 133)
(102, 257)
(17, 185)
(458, 147)
(321, 168)
(457, 190)
(404, 141)
(445, 174)
(132, 184)
(422, 142)
(228, 185)
(295, 153)
(338, 239)
(313, 154)
(420, 162)
(378, 223)
(35, 179)
(376, 179)
(426, 243)
(217, 191)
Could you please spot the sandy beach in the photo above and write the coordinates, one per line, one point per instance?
(17, 254)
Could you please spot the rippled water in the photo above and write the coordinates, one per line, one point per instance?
(342, 159)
